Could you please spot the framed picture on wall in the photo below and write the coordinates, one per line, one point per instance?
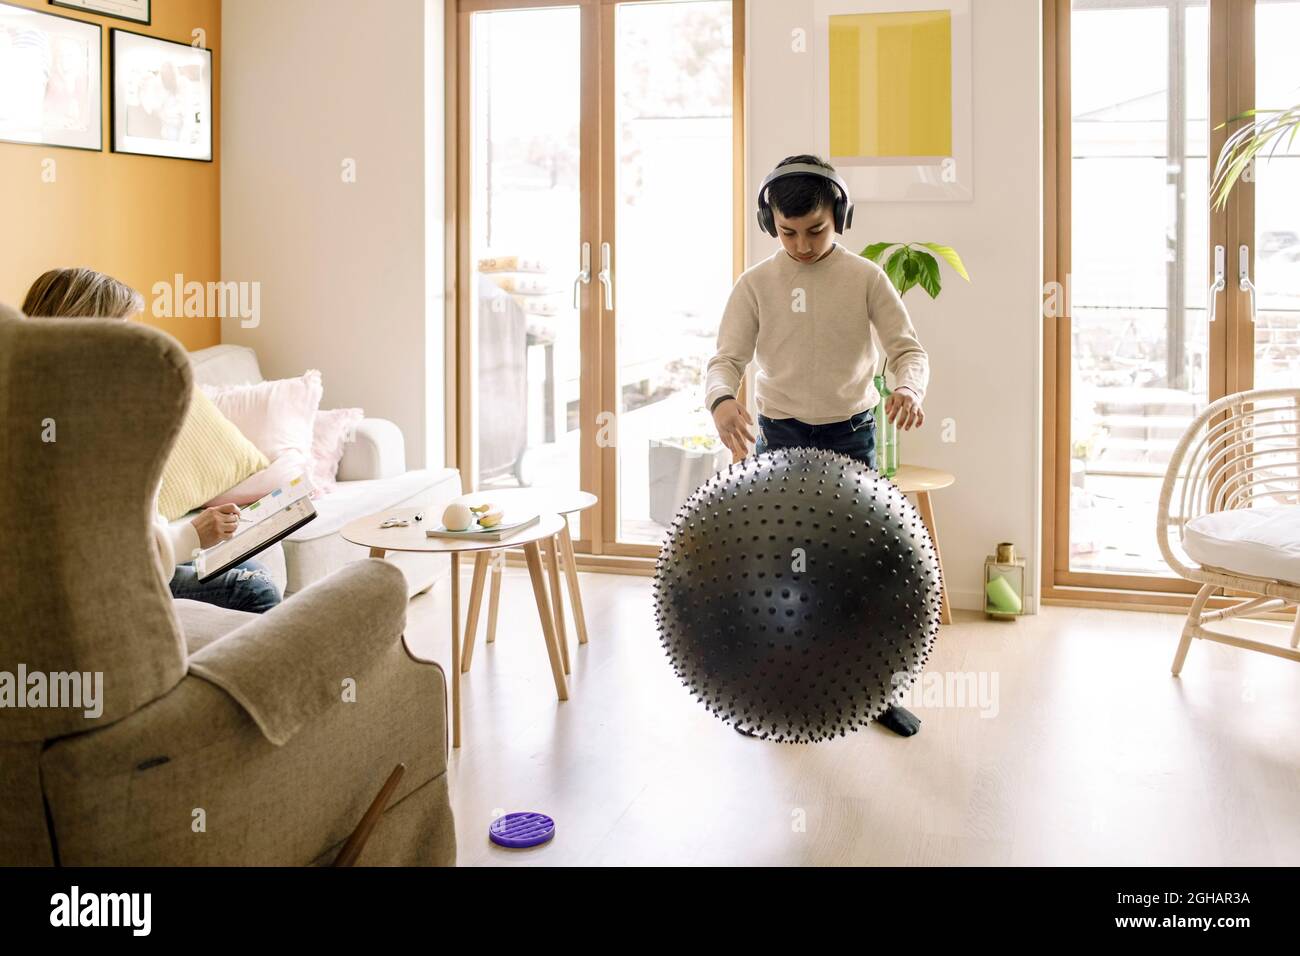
(50, 80)
(893, 96)
(162, 97)
(134, 10)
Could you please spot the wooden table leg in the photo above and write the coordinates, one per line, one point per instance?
(571, 572)
(494, 595)
(927, 515)
(455, 649)
(561, 632)
(475, 601)
(532, 554)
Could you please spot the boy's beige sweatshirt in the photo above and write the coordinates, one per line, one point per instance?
(807, 326)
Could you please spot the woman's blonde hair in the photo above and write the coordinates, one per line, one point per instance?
(80, 294)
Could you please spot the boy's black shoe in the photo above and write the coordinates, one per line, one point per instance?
(900, 721)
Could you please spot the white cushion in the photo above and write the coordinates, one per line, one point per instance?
(1259, 542)
(225, 365)
(376, 449)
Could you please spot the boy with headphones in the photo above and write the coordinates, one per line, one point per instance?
(805, 316)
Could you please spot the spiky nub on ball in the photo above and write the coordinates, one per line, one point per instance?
(795, 592)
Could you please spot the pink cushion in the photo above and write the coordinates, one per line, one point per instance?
(334, 428)
(277, 417)
(280, 472)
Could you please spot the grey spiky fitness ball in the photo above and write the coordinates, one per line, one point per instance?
(795, 592)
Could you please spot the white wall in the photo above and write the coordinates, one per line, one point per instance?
(984, 339)
(351, 277)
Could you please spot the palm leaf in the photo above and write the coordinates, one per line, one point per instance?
(1244, 146)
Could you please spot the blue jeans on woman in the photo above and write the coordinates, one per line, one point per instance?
(245, 587)
(855, 437)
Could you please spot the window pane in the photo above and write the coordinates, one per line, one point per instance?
(524, 211)
(1277, 203)
(673, 128)
(1138, 84)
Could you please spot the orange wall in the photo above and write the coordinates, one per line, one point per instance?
(142, 219)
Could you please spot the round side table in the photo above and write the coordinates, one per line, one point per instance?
(542, 500)
(918, 480)
(367, 533)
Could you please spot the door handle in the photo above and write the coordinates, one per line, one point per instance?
(605, 279)
(584, 277)
(1244, 282)
(1219, 283)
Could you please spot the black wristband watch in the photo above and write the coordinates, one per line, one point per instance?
(719, 401)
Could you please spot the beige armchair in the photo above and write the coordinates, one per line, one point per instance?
(218, 738)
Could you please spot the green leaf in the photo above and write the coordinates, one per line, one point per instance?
(950, 256)
(911, 269)
(875, 250)
(894, 269)
(929, 277)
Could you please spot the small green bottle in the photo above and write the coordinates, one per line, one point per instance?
(886, 434)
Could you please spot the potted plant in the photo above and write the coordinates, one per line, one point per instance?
(908, 265)
(679, 465)
(1243, 146)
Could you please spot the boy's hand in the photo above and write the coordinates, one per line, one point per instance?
(903, 409)
(732, 421)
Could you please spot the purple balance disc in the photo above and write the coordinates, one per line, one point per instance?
(520, 830)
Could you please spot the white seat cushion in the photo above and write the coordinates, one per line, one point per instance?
(1260, 542)
(355, 499)
(316, 549)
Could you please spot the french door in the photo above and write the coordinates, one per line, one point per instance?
(598, 167)
(1157, 302)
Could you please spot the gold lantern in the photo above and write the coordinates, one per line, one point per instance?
(1004, 583)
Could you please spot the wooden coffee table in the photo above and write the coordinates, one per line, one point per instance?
(542, 500)
(367, 533)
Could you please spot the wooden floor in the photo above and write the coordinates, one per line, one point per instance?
(1090, 753)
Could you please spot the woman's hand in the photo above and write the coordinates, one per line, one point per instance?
(732, 421)
(216, 524)
(903, 409)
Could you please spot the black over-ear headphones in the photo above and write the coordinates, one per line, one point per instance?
(843, 205)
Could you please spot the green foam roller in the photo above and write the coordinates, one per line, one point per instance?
(1002, 596)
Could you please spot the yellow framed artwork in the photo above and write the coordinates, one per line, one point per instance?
(893, 96)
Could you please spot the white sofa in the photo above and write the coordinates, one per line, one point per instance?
(372, 477)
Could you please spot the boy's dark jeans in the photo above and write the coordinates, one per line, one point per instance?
(855, 437)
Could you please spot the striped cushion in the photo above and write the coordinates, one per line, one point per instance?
(211, 455)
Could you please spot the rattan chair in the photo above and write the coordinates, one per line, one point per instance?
(1241, 452)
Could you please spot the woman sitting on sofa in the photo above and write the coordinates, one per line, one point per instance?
(83, 293)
